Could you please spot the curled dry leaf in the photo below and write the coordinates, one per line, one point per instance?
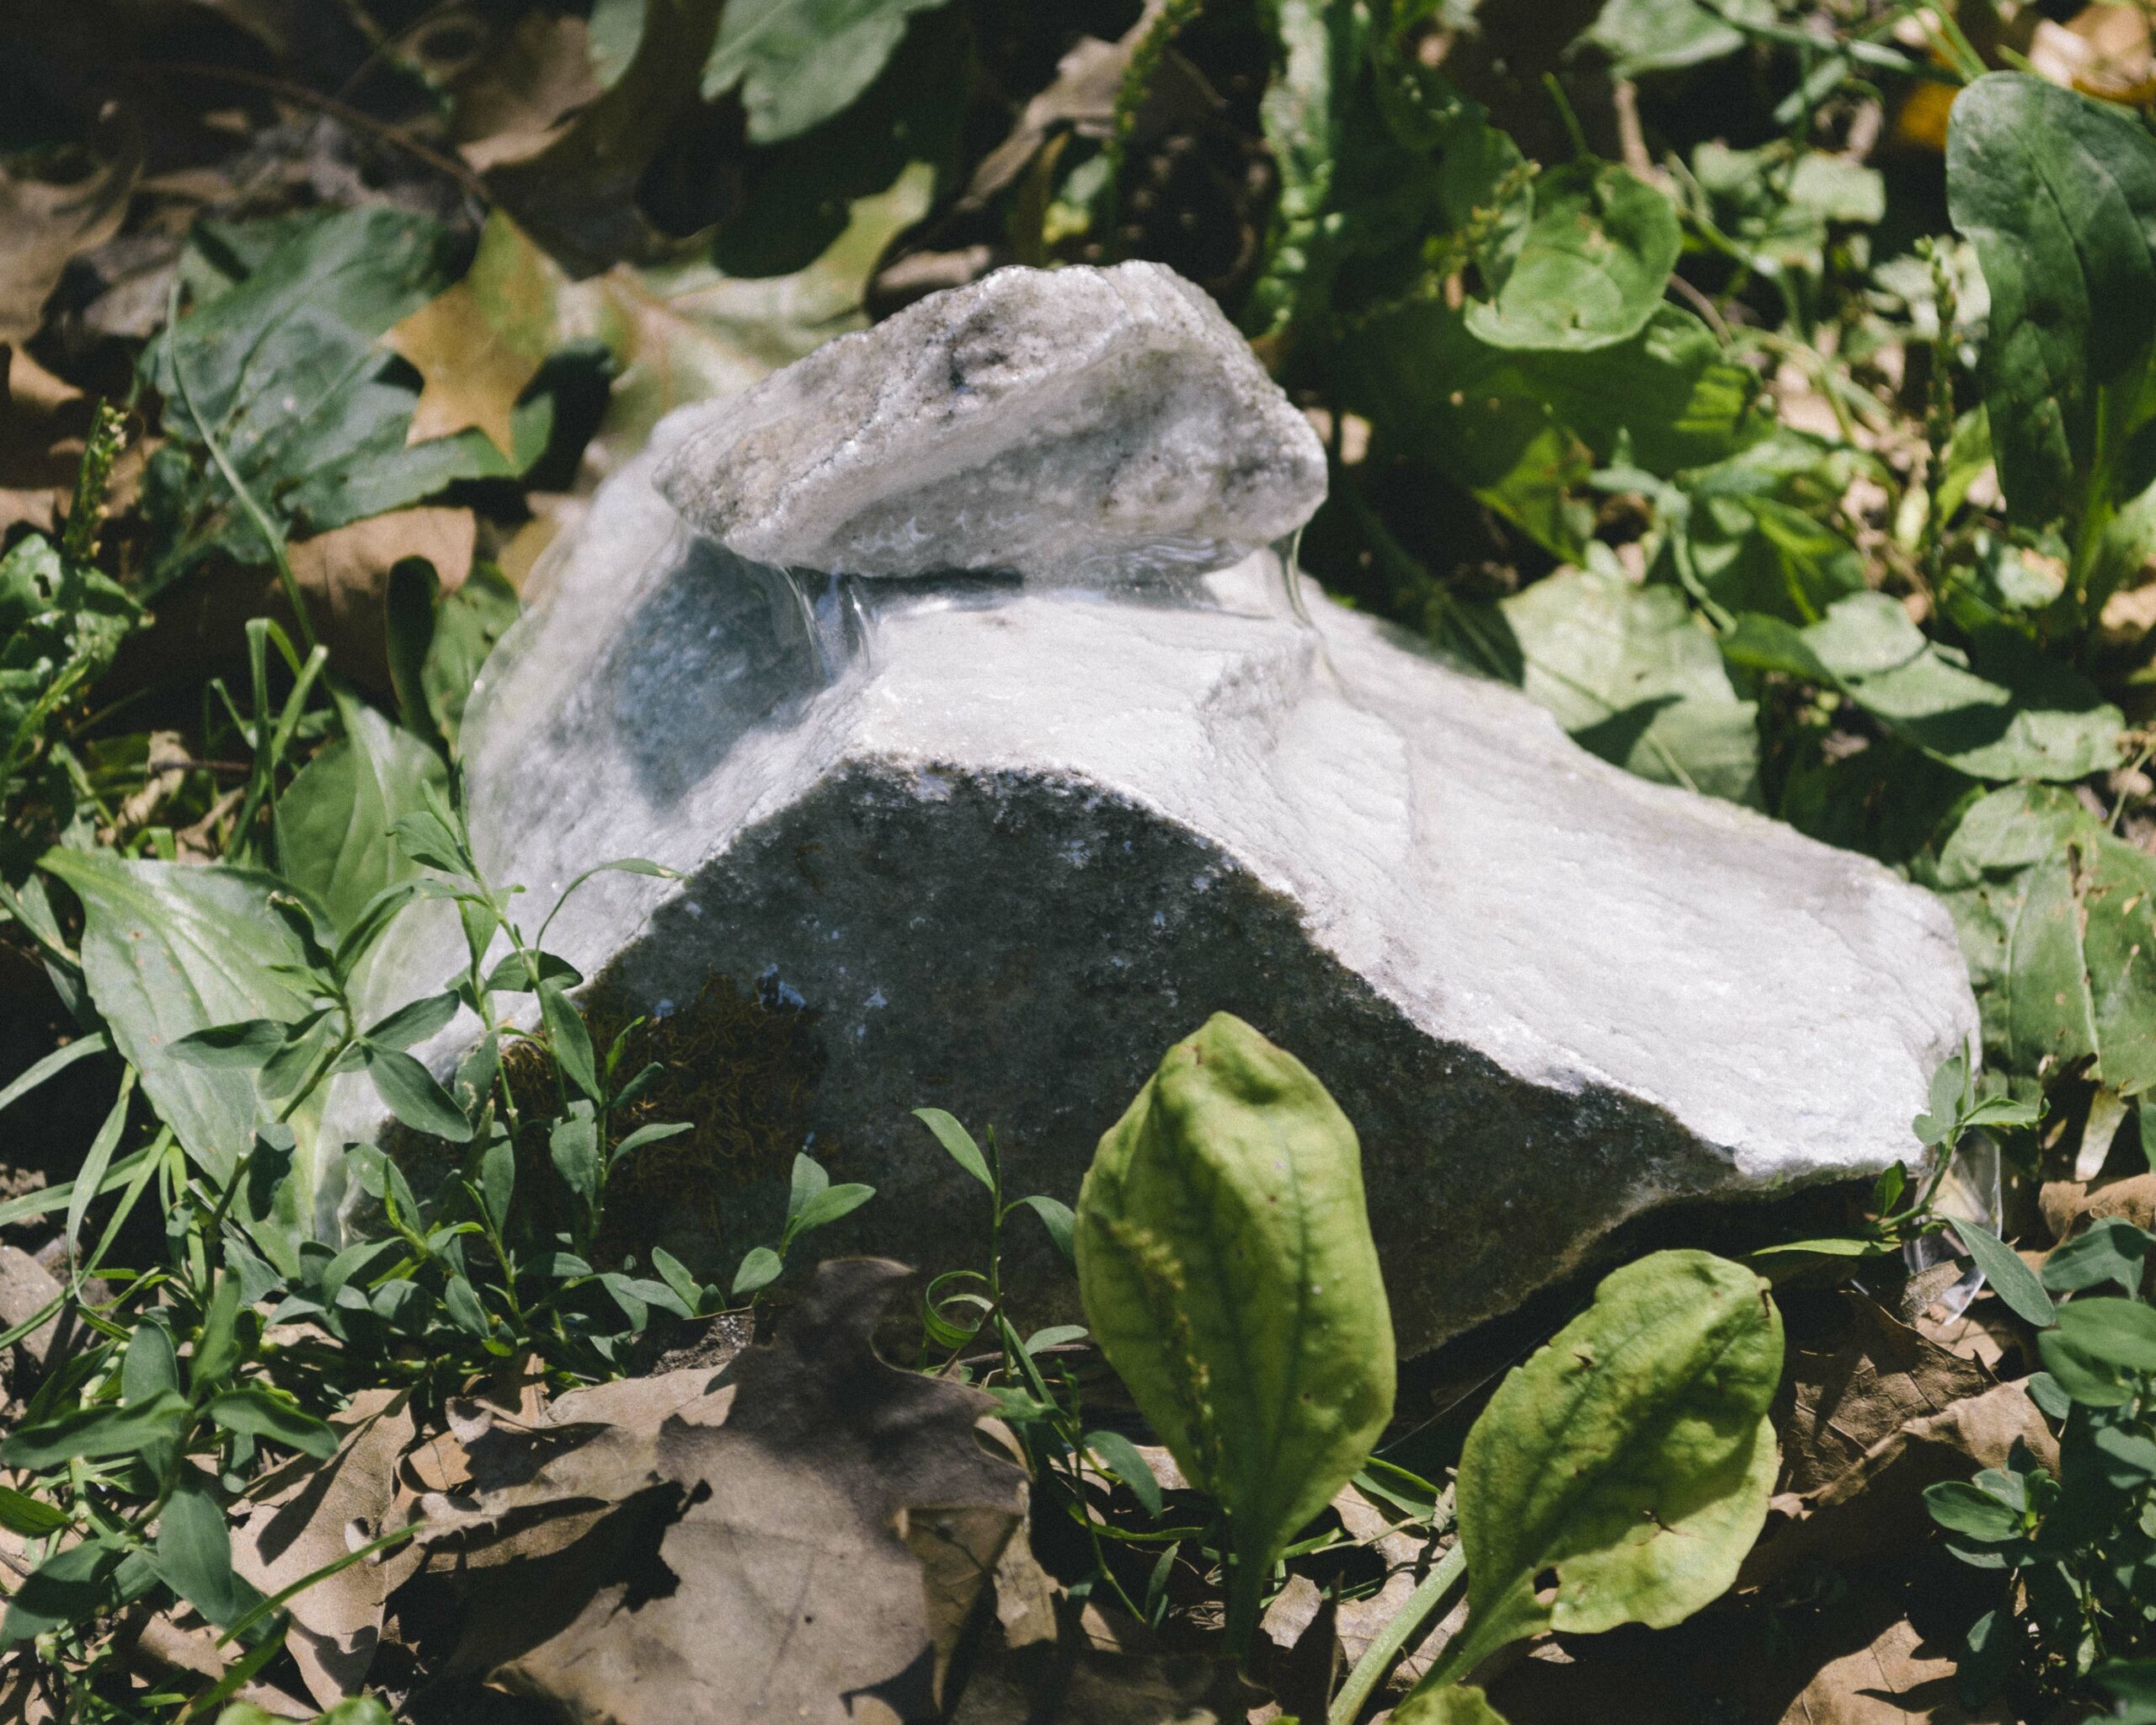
(317, 1512)
(2070, 1205)
(514, 100)
(46, 224)
(1874, 1508)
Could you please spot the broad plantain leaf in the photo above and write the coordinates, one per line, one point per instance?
(1226, 1266)
(1634, 676)
(2058, 194)
(170, 949)
(1588, 269)
(333, 823)
(2054, 913)
(1630, 1459)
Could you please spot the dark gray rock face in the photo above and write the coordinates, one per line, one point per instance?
(992, 844)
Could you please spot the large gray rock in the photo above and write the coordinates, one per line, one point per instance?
(996, 844)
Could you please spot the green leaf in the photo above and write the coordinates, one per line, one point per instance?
(170, 949)
(462, 1300)
(573, 1145)
(1120, 1457)
(960, 1142)
(1632, 675)
(1660, 36)
(217, 1345)
(568, 1037)
(2011, 1279)
(67, 1587)
(466, 625)
(2057, 193)
(2112, 1250)
(509, 977)
(150, 1367)
(498, 1179)
(799, 63)
(258, 1413)
(2117, 1334)
(1057, 1218)
(1964, 1509)
(655, 1134)
(426, 838)
(827, 1206)
(759, 1267)
(410, 1093)
(1457, 1704)
(1226, 1266)
(2046, 722)
(334, 822)
(310, 410)
(1588, 270)
(1630, 1459)
(809, 1179)
(414, 1023)
(29, 1516)
(106, 1430)
(2053, 912)
(250, 1043)
(195, 1551)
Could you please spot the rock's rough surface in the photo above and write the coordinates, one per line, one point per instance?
(1005, 851)
(1081, 422)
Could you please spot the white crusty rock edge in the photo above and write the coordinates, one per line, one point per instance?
(1071, 422)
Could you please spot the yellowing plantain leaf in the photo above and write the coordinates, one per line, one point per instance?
(1630, 1460)
(1226, 1266)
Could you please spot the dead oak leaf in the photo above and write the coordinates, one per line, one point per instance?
(478, 344)
(813, 1558)
(321, 1513)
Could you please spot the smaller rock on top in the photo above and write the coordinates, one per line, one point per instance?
(1096, 425)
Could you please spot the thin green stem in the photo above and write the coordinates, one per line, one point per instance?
(1425, 1603)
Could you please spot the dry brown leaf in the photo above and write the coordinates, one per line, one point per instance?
(771, 1567)
(1876, 1377)
(343, 574)
(26, 1289)
(577, 195)
(1407, 1557)
(319, 1515)
(47, 225)
(1874, 1509)
(477, 344)
(2070, 1206)
(43, 422)
(2105, 51)
(1896, 1679)
(514, 100)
